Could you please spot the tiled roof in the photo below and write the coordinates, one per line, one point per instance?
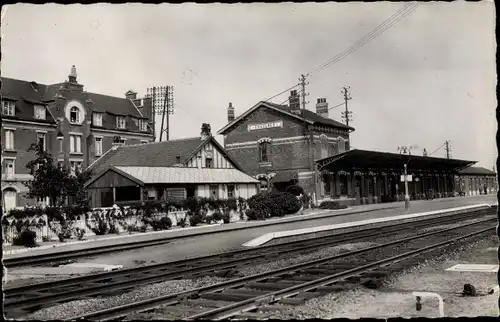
(310, 115)
(152, 175)
(478, 171)
(156, 154)
(25, 96)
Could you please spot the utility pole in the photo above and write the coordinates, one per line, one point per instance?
(406, 150)
(347, 115)
(163, 104)
(303, 83)
(448, 149)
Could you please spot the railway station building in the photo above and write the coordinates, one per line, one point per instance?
(283, 145)
(476, 181)
(175, 169)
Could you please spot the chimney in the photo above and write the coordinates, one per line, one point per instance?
(230, 113)
(322, 107)
(205, 131)
(131, 95)
(72, 75)
(294, 101)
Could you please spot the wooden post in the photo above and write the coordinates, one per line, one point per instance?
(114, 195)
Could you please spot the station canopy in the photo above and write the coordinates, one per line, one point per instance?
(384, 161)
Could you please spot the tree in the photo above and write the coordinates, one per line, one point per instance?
(52, 181)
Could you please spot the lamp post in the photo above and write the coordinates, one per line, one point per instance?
(405, 150)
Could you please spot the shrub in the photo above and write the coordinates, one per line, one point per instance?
(226, 217)
(181, 222)
(331, 205)
(45, 238)
(209, 219)
(79, 233)
(101, 227)
(113, 229)
(163, 223)
(217, 215)
(143, 228)
(26, 238)
(195, 218)
(132, 228)
(252, 214)
(295, 190)
(276, 204)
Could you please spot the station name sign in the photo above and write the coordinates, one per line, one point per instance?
(262, 126)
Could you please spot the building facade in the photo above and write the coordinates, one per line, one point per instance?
(75, 126)
(177, 169)
(476, 181)
(278, 144)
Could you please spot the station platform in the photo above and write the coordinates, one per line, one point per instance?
(200, 241)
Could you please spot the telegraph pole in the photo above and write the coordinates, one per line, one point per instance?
(303, 83)
(347, 115)
(448, 149)
(406, 150)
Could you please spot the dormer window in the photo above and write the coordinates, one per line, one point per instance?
(143, 125)
(97, 119)
(40, 112)
(8, 108)
(120, 122)
(74, 115)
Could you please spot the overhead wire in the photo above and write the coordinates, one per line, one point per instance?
(379, 30)
(437, 149)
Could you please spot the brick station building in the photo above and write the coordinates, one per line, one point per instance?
(278, 144)
(282, 145)
(476, 181)
(73, 125)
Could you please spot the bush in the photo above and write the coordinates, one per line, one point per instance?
(181, 222)
(276, 204)
(45, 238)
(79, 233)
(252, 214)
(101, 228)
(331, 205)
(226, 217)
(209, 219)
(217, 215)
(195, 218)
(113, 229)
(295, 190)
(163, 223)
(26, 238)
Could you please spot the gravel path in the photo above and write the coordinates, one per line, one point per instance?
(394, 299)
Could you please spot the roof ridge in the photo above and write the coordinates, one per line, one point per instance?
(151, 143)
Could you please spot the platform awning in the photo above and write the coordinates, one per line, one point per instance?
(373, 160)
(285, 176)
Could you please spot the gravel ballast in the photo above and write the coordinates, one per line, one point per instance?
(395, 298)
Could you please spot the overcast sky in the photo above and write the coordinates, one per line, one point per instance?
(429, 78)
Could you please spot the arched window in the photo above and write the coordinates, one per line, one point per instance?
(74, 115)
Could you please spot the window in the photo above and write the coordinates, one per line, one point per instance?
(40, 112)
(9, 167)
(230, 190)
(324, 146)
(75, 144)
(98, 146)
(143, 125)
(214, 191)
(152, 194)
(76, 166)
(340, 145)
(208, 162)
(74, 115)
(8, 108)
(120, 122)
(118, 141)
(97, 119)
(41, 139)
(263, 152)
(263, 184)
(9, 139)
(61, 146)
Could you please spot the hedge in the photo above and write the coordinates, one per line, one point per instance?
(272, 204)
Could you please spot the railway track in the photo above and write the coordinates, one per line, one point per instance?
(237, 298)
(70, 255)
(25, 299)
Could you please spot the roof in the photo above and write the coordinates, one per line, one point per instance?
(284, 176)
(178, 175)
(478, 171)
(155, 154)
(391, 161)
(305, 115)
(25, 95)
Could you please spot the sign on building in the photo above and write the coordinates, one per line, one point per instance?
(408, 178)
(262, 126)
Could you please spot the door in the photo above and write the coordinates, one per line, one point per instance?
(9, 198)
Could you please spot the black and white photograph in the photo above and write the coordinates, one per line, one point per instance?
(249, 161)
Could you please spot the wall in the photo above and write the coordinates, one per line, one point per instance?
(218, 159)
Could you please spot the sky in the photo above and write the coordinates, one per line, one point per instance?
(428, 78)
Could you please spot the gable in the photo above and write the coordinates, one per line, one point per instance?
(212, 150)
(112, 178)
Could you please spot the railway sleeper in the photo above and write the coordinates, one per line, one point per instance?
(251, 315)
(225, 297)
(206, 303)
(309, 295)
(244, 292)
(267, 286)
(295, 301)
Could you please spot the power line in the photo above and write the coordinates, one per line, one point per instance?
(437, 149)
(286, 90)
(379, 30)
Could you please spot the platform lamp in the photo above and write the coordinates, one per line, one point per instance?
(406, 150)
